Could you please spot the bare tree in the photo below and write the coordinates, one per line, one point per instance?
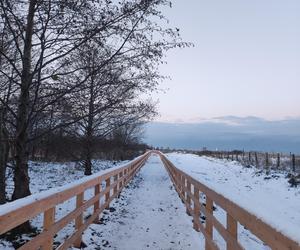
(44, 36)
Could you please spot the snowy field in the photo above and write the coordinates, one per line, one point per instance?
(269, 197)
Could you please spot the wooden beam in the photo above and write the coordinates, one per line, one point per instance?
(79, 219)
(232, 230)
(49, 219)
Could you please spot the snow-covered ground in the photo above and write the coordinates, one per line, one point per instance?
(268, 197)
(148, 215)
(45, 176)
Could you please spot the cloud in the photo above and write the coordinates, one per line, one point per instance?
(228, 132)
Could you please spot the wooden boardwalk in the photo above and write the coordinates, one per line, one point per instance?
(147, 215)
(108, 185)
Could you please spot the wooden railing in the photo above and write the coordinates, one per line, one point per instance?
(190, 190)
(106, 188)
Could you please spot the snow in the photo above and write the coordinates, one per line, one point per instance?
(270, 199)
(46, 178)
(41, 195)
(148, 215)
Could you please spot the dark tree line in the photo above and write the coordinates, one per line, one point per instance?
(76, 72)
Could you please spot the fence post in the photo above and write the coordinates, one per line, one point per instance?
(256, 159)
(294, 162)
(232, 230)
(107, 195)
(125, 176)
(79, 219)
(49, 219)
(267, 163)
(182, 189)
(96, 205)
(196, 223)
(116, 186)
(121, 182)
(188, 197)
(208, 222)
(179, 184)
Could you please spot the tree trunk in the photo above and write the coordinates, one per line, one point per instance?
(89, 130)
(88, 157)
(21, 177)
(4, 150)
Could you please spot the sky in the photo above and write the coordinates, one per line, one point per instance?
(245, 61)
(227, 133)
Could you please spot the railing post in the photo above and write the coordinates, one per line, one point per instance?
(208, 222)
(121, 182)
(125, 176)
(232, 229)
(182, 188)
(188, 197)
(49, 219)
(116, 186)
(196, 223)
(179, 184)
(97, 203)
(131, 171)
(79, 219)
(107, 185)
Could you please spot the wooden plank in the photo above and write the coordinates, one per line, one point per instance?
(188, 196)
(49, 219)
(107, 184)
(125, 175)
(224, 233)
(208, 221)
(211, 244)
(196, 222)
(79, 219)
(97, 203)
(120, 183)
(183, 188)
(232, 230)
(115, 181)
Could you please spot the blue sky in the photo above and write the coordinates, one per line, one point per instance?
(246, 60)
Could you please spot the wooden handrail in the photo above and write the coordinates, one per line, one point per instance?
(107, 185)
(189, 189)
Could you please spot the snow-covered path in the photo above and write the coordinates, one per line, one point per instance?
(148, 215)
